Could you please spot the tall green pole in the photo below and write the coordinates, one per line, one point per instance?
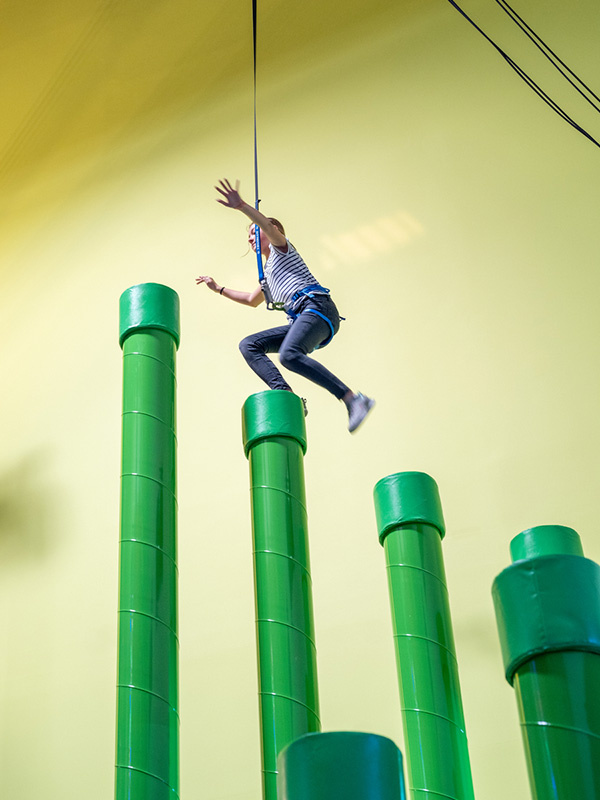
(548, 614)
(341, 765)
(411, 527)
(147, 740)
(274, 437)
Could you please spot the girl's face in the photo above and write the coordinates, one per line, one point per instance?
(264, 242)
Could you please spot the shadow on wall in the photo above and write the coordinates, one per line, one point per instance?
(27, 509)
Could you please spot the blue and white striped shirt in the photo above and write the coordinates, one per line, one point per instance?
(286, 274)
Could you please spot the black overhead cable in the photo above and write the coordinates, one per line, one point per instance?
(528, 80)
(548, 53)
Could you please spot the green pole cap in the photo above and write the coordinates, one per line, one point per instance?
(348, 765)
(149, 305)
(546, 540)
(273, 413)
(406, 498)
(548, 603)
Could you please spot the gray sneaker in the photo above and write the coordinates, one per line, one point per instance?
(359, 407)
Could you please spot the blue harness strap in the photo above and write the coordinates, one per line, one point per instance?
(310, 291)
(325, 342)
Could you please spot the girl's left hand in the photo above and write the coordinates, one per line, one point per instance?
(231, 195)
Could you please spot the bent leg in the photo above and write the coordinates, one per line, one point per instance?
(306, 333)
(254, 349)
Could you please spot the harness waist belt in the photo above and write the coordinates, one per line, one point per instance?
(308, 291)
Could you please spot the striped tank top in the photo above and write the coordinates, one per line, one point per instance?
(286, 274)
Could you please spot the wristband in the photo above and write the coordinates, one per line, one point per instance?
(221, 291)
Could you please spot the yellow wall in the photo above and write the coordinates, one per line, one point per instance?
(455, 219)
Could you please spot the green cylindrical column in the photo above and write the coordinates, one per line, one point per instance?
(411, 526)
(147, 746)
(275, 441)
(548, 614)
(340, 764)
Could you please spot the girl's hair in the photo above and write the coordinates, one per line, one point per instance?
(277, 224)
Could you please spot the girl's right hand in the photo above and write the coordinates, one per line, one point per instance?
(231, 195)
(210, 282)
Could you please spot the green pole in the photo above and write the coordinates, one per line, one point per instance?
(275, 442)
(344, 765)
(548, 614)
(411, 527)
(147, 739)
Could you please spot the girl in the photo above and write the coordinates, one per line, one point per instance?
(313, 318)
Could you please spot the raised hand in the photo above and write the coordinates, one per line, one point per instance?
(231, 195)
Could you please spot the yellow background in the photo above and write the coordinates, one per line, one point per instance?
(455, 218)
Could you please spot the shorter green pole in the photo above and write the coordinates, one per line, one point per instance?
(341, 766)
(411, 527)
(274, 437)
(548, 615)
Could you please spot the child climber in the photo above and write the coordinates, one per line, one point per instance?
(313, 318)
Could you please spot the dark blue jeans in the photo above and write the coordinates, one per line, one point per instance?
(293, 343)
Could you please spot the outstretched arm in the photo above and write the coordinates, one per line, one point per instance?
(253, 298)
(232, 199)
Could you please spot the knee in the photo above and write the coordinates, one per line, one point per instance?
(248, 347)
(290, 358)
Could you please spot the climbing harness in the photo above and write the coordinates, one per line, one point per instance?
(307, 291)
(311, 291)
